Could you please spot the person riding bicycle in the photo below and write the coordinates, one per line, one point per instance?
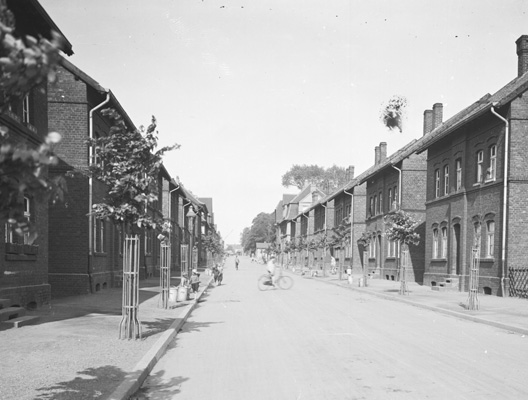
(272, 269)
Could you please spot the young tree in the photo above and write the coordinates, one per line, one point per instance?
(340, 239)
(128, 162)
(401, 228)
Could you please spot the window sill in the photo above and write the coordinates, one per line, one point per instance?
(439, 260)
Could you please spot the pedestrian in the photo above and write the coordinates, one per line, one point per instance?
(349, 273)
(236, 262)
(333, 267)
(195, 281)
(220, 275)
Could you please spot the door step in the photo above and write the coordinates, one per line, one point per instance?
(20, 321)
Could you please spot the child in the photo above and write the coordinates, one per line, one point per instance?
(195, 281)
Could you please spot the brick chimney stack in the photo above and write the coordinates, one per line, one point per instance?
(376, 155)
(438, 114)
(428, 122)
(350, 173)
(383, 151)
(522, 55)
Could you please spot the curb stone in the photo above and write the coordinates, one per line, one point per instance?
(135, 379)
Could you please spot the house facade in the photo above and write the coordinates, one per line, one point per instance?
(24, 265)
(476, 190)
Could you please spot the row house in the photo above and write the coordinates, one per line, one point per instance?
(477, 170)
(24, 266)
(349, 205)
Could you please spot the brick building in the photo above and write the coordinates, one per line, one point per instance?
(24, 266)
(476, 191)
(397, 182)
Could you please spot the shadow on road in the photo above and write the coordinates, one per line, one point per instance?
(89, 386)
(156, 388)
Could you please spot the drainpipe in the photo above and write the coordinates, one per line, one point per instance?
(351, 228)
(504, 194)
(325, 234)
(90, 179)
(399, 186)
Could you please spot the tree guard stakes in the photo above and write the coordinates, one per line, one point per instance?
(404, 289)
(130, 326)
(473, 301)
(165, 262)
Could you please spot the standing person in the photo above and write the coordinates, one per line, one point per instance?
(272, 269)
(220, 275)
(236, 262)
(195, 281)
(333, 264)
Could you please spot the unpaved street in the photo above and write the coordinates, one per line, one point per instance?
(319, 341)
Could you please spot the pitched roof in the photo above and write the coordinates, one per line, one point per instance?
(502, 97)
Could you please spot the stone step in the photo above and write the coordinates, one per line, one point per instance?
(11, 313)
(21, 321)
(4, 303)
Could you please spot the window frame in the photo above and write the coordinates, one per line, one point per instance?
(437, 182)
(446, 179)
(492, 170)
(444, 240)
(480, 167)
(490, 239)
(458, 166)
(435, 243)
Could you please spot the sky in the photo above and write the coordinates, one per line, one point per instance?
(249, 88)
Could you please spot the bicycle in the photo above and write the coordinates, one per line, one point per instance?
(284, 282)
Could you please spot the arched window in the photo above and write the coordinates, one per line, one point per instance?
(490, 239)
(480, 160)
(435, 243)
(444, 242)
(458, 164)
(446, 179)
(492, 171)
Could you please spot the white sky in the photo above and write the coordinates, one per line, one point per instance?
(249, 88)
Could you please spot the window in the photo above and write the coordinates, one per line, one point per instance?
(437, 183)
(458, 164)
(375, 210)
(390, 199)
(10, 236)
(25, 109)
(492, 170)
(393, 247)
(372, 247)
(435, 243)
(490, 239)
(444, 242)
(477, 235)
(380, 203)
(395, 194)
(371, 208)
(446, 179)
(148, 242)
(480, 161)
(99, 235)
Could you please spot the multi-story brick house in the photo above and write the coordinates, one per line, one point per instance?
(397, 182)
(85, 253)
(349, 207)
(476, 191)
(24, 266)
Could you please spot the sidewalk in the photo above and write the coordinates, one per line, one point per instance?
(507, 313)
(73, 352)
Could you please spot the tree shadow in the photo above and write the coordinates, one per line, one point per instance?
(156, 388)
(93, 384)
(151, 328)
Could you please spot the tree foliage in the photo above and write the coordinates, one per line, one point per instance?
(128, 162)
(213, 243)
(25, 63)
(341, 234)
(400, 227)
(262, 230)
(325, 179)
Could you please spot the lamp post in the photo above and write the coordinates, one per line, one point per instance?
(191, 215)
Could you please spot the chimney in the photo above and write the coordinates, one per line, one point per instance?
(383, 151)
(438, 114)
(376, 155)
(428, 122)
(350, 173)
(522, 55)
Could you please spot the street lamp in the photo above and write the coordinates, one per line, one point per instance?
(191, 215)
